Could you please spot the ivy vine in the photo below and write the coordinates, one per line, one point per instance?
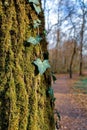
(36, 23)
(42, 65)
(36, 5)
(34, 40)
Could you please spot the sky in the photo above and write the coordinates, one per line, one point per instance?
(51, 17)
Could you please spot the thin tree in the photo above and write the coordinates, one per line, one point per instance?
(72, 57)
(82, 5)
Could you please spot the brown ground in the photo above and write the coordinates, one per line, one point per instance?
(72, 111)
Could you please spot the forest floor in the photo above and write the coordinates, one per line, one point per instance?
(71, 101)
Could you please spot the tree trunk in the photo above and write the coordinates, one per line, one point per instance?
(81, 41)
(72, 58)
(81, 62)
(81, 56)
(24, 104)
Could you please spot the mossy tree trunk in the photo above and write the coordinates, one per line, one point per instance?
(24, 104)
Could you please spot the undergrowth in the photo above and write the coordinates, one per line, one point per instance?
(81, 85)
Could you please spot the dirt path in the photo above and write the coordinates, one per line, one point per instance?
(72, 115)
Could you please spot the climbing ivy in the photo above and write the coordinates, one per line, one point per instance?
(51, 94)
(36, 5)
(58, 119)
(45, 32)
(34, 1)
(34, 40)
(53, 77)
(37, 8)
(36, 23)
(42, 66)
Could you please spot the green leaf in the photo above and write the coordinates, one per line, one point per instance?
(53, 99)
(38, 38)
(53, 77)
(45, 32)
(34, 1)
(36, 5)
(42, 66)
(58, 114)
(34, 40)
(39, 21)
(36, 23)
(37, 8)
(51, 92)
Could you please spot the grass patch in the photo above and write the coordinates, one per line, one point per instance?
(81, 85)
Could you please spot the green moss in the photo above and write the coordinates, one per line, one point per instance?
(24, 104)
(13, 117)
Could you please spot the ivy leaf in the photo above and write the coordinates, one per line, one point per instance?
(51, 92)
(37, 8)
(36, 5)
(42, 66)
(34, 40)
(39, 21)
(38, 38)
(34, 1)
(58, 114)
(53, 77)
(36, 23)
(45, 32)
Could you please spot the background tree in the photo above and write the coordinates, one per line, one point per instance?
(72, 56)
(83, 15)
(24, 104)
(70, 13)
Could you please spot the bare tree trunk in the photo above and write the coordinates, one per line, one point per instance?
(24, 104)
(72, 58)
(81, 61)
(82, 36)
(81, 44)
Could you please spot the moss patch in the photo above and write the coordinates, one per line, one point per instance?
(24, 104)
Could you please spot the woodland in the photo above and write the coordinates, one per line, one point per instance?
(43, 64)
(68, 34)
(66, 25)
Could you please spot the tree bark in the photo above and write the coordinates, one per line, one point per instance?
(24, 104)
(72, 58)
(81, 41)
